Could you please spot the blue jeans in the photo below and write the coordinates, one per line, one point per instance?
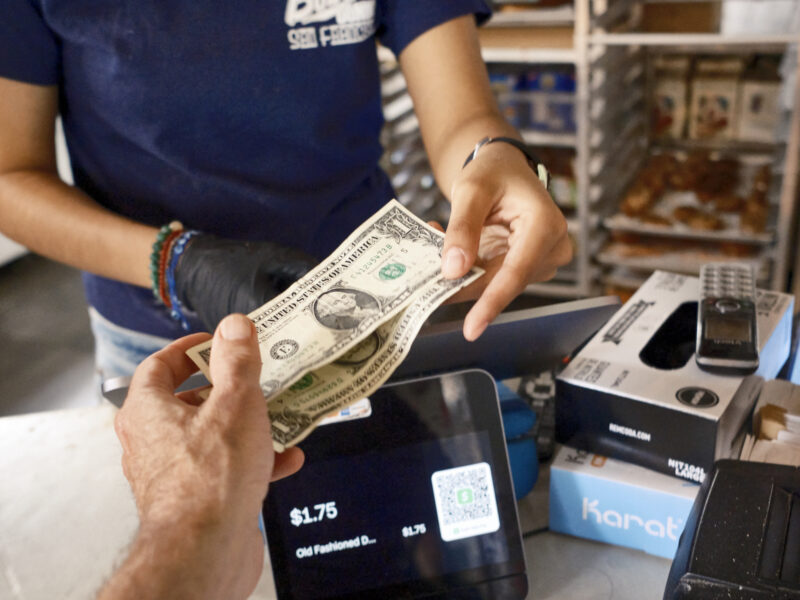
(118, 351)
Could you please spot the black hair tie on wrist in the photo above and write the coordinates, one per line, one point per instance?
(535, 163)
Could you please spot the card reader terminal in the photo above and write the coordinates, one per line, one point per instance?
(413, 501)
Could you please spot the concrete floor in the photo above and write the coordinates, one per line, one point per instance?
(47, 357)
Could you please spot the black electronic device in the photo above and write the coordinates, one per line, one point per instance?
(539, 393)
(413, 501)
(517, 343)
(727, 336)
(741, 540)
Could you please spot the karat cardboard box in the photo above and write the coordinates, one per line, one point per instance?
(635, 393)
(618, 503)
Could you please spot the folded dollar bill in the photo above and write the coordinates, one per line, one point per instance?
(339, 332)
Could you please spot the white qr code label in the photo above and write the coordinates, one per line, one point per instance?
(465, 502)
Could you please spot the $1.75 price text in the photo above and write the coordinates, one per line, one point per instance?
(306, 516)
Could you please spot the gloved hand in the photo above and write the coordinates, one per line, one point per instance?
(216, 277)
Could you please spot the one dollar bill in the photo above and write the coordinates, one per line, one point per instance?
(370, 278)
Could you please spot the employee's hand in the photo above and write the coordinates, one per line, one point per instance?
(503, 220)
(216, 276)
(199, 471)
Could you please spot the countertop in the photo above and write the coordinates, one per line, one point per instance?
(67, 516)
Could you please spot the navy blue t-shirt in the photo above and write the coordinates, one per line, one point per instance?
(251, 120)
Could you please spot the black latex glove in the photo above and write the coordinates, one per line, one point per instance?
(216, 277)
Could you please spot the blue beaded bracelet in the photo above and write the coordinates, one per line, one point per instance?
(156, 255)
(175, 254)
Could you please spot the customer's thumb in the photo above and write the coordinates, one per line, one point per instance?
(235, 359)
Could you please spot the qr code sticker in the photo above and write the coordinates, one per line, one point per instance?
(465, 501)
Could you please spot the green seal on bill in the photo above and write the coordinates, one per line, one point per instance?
(391, 271)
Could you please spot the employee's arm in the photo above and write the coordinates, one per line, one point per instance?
(45, 214)
(37, 209)
(497, 195)
(199, 472)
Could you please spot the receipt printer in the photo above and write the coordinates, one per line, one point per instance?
(742, 537)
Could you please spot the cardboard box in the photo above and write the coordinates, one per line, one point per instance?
(713, 109)
(669, 107)
(681, 17)
(635, 393)
(670, 91)
(759, 111)
(618, 503)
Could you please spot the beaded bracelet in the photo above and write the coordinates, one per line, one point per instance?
(176, 250)
(166, 250)
(156, 255)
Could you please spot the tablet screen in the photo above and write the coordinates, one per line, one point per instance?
(414, 499)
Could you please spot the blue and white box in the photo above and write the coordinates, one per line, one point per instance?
(618, 503)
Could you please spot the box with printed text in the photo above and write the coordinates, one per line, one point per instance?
(618, 503)
(635, 393)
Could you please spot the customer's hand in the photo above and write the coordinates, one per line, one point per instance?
(216, 276)
(503, 220)
(199, 471)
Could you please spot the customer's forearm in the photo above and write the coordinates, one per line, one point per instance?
(176, 562)
(59, 221)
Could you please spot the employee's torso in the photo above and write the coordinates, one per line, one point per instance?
(248, 118)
